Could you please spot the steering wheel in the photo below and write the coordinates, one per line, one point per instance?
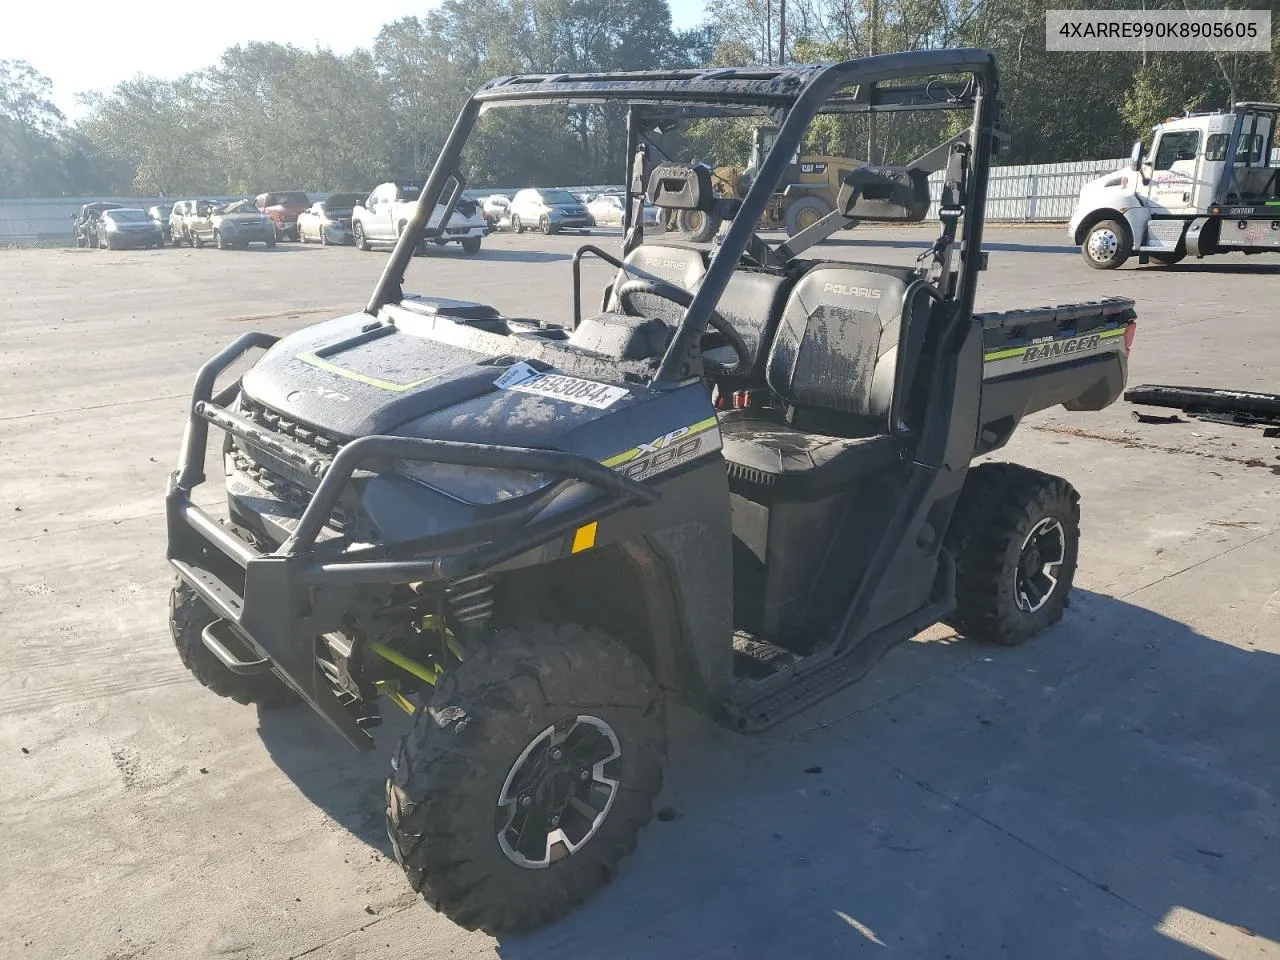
(664, 290)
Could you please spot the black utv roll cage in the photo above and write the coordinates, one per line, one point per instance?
(790, 96)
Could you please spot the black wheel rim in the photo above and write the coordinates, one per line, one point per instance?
(1039, 561)
(558, 792)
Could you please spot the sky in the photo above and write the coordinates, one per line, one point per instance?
(91, 45)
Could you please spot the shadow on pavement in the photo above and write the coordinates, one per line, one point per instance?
(1108, 790)
(509, 256)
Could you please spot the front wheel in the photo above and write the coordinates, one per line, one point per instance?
(471, 246)
(542, 751)
(218, 240)
(546, 226)
(517, 224)
(362, 242)
(1107, 245)
(1016, 538)
(188, 616)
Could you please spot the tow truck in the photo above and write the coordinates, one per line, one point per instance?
(1210, 186)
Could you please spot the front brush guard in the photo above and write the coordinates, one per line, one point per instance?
(279, 603)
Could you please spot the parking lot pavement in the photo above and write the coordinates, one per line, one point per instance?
(1109, 790)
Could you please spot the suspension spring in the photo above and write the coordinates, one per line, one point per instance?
(472, 600)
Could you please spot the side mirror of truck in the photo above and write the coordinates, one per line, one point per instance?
(1135, 156)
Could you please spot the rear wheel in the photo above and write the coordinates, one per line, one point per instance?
(697, 226)
(1015, 537)
(804, 213)
(188, 616)
(542, 751)
(1107, 245)
(471, 246)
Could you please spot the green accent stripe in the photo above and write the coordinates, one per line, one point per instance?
(1019, 351)
(627, 455)
(322, 364)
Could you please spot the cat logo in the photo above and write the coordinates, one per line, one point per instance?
(813, 168)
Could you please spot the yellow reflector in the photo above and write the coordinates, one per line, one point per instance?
(584, 538)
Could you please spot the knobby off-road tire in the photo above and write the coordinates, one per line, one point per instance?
(188, 616)
(1015, 537)
(487, 729)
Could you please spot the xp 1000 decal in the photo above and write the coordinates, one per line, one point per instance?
(668, 451)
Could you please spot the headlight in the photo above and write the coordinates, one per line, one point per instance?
(474, 485)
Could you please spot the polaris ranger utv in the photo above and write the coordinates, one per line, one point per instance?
(740, 482)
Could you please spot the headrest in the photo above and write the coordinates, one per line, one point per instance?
(681, 186)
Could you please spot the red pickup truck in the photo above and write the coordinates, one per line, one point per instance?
(283, 207)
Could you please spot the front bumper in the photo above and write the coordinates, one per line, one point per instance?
(573, 223)
(261, 234)
(277, 604)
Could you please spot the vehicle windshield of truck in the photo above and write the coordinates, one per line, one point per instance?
(292, 199)
(409, 192)
(127, 215)
(558, 196)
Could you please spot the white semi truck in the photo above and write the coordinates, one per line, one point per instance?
(1210, 185)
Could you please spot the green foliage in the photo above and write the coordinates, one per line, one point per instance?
(270, 116)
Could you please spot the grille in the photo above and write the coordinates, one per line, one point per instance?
(285, 488)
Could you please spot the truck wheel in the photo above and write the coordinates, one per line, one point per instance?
(1015, 537)
(188, 616)
(471, 246)
(361, 241)
(803, 213)
(543, 749)
(1107, 245)
(697, 226)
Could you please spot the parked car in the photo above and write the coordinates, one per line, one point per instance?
(159, 215)
(178, 234)
(125, 228)
(608, 208)
(283, 207)
(385, 212)
(86, 221)
(236, 224)
(496, 209)
(549, 211)
(329, 221)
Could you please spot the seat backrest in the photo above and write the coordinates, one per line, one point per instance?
(752, 303)
(836, 346)
(683, 266)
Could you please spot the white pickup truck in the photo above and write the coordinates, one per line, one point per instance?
(382, 217)
(1210, 186)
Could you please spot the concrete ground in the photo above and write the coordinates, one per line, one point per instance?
(1109, 790)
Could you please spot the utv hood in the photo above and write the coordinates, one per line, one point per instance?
(350, 378)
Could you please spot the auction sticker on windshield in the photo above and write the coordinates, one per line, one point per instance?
(557, 386)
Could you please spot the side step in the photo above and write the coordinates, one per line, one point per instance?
(799, 684)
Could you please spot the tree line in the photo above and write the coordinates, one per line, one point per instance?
(269, 115)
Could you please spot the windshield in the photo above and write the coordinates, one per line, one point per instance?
(409, 192)
(240, 206)
(127, 215)
(293, 198)
(557, 196)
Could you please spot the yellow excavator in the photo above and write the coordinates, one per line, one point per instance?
(809, 194)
